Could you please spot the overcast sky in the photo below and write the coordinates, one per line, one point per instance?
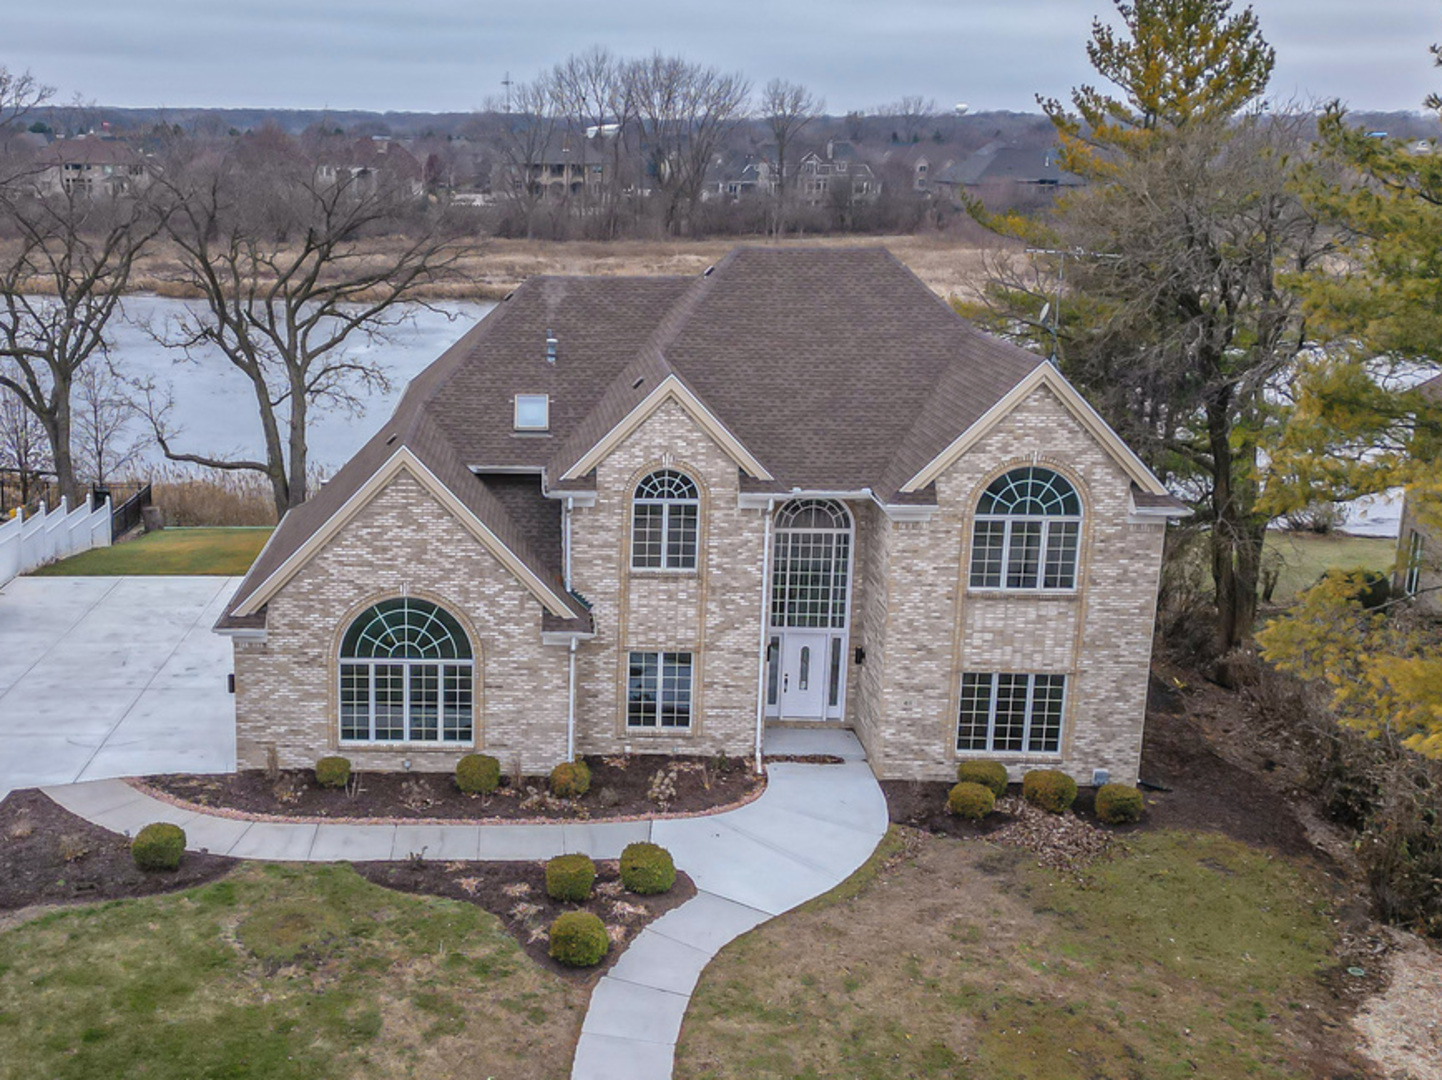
(451, 55)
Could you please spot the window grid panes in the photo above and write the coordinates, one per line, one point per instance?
(665, 522)
(1008, 712)
(1027, 532)
(658, 693)
(810, 571)
(406, 676)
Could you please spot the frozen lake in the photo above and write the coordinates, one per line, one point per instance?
(214, 408)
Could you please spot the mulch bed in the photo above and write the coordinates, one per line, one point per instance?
(621, 787)
(50, 856)
(516, 893)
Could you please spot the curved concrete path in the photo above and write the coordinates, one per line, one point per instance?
(813, 826)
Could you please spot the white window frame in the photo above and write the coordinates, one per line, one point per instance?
(665, 665)
(686, 559)
(1412, 581)
(407, 714)
(994, 680)
(532, 400)
(1014, 528)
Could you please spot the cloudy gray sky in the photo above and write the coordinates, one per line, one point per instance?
(447, 55)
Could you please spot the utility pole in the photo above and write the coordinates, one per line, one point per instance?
(506, 82)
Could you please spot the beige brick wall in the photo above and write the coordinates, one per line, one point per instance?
(713, 612)
(403, 541)
(936, 627)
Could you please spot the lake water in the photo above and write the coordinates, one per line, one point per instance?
(214, 405)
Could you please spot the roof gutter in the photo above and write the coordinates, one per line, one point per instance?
(758, 500)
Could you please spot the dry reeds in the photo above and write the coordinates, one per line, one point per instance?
(194, 497)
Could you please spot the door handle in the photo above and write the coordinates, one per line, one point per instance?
(785, 682)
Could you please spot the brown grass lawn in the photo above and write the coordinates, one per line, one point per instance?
(1191, 955)
(223, 552)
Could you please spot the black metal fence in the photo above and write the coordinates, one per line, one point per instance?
(127, 515)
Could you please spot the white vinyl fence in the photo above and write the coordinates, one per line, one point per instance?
(28, 542)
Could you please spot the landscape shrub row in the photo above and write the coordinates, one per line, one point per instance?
(980, 783)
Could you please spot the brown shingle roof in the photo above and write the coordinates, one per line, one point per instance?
(836, 368)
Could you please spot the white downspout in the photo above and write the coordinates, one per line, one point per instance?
(571, 709)
(765, 637)
(566, 539)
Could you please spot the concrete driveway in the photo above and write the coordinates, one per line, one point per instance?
(113, 676)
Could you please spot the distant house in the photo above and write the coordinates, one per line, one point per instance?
(1419, 543)
(838, 171)
(89, 165)
(370, 163)
(919, 164)
(661, 513)
(1006, 177)
(564, 167)
(738, 175)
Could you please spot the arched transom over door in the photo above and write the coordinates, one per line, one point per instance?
(810, 610)
(406, 676)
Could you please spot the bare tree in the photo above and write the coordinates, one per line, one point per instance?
(106, 415)
(20, 92)
(526, 141)
(684, 112)
(24, 450)
(61, 281)
(594, 95)
(291, 270)
(788, 108)
(910, 114)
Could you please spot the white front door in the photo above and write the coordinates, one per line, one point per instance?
(803, 675)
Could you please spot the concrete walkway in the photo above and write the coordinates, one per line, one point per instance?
(113, 676)
(813, 826)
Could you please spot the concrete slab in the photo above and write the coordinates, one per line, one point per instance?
(214, 834)
(274, 842)
(604, 1057)
(626, 1010)
(113, 677)
(523, 843)
(660, 962)
(95, 800)
(436, 842)
(844, 794)
(727, 863)
(805, 741)
(836, 849)
(353, 843)
(706, 922)
(603, 839)
(131, 817)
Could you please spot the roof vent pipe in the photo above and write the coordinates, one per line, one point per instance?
(551, 344)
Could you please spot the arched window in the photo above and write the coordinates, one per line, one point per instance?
(664, 517)
(406, 676)
(1028, 524)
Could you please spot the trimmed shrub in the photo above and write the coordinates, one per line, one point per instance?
(158, 846)
(579, 939)
(570, 877)
(333, 772)
(989, 774)
(570, 780)
(1118, 804)
(647, 869)
(1049, 789)
(968, 800)
(478, 774)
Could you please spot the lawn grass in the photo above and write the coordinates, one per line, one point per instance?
(1191, 955)
(278, 973)
(1307, 556)
(223, 552)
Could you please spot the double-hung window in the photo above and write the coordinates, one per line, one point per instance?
(664, 522)
(658, 690)
(1027, 532)
(1012, 713)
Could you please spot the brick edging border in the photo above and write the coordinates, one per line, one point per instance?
(139, 784)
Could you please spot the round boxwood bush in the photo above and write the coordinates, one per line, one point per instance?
(989, 774)
(570, 779)
(647, 869)
(478, 774)
(1049, 789)
(570, 877)
(158, 846)
(970, 800)
(332, 772)
(1119, 804)
(578, 939)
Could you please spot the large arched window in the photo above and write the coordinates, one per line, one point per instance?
(406, 676)
(1028, 524)
(664, 517)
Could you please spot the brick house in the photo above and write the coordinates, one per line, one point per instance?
(1419, 540)
(658, 514)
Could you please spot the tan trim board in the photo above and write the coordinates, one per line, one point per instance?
(404, 459)
(670, 388)
(1046, 375)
